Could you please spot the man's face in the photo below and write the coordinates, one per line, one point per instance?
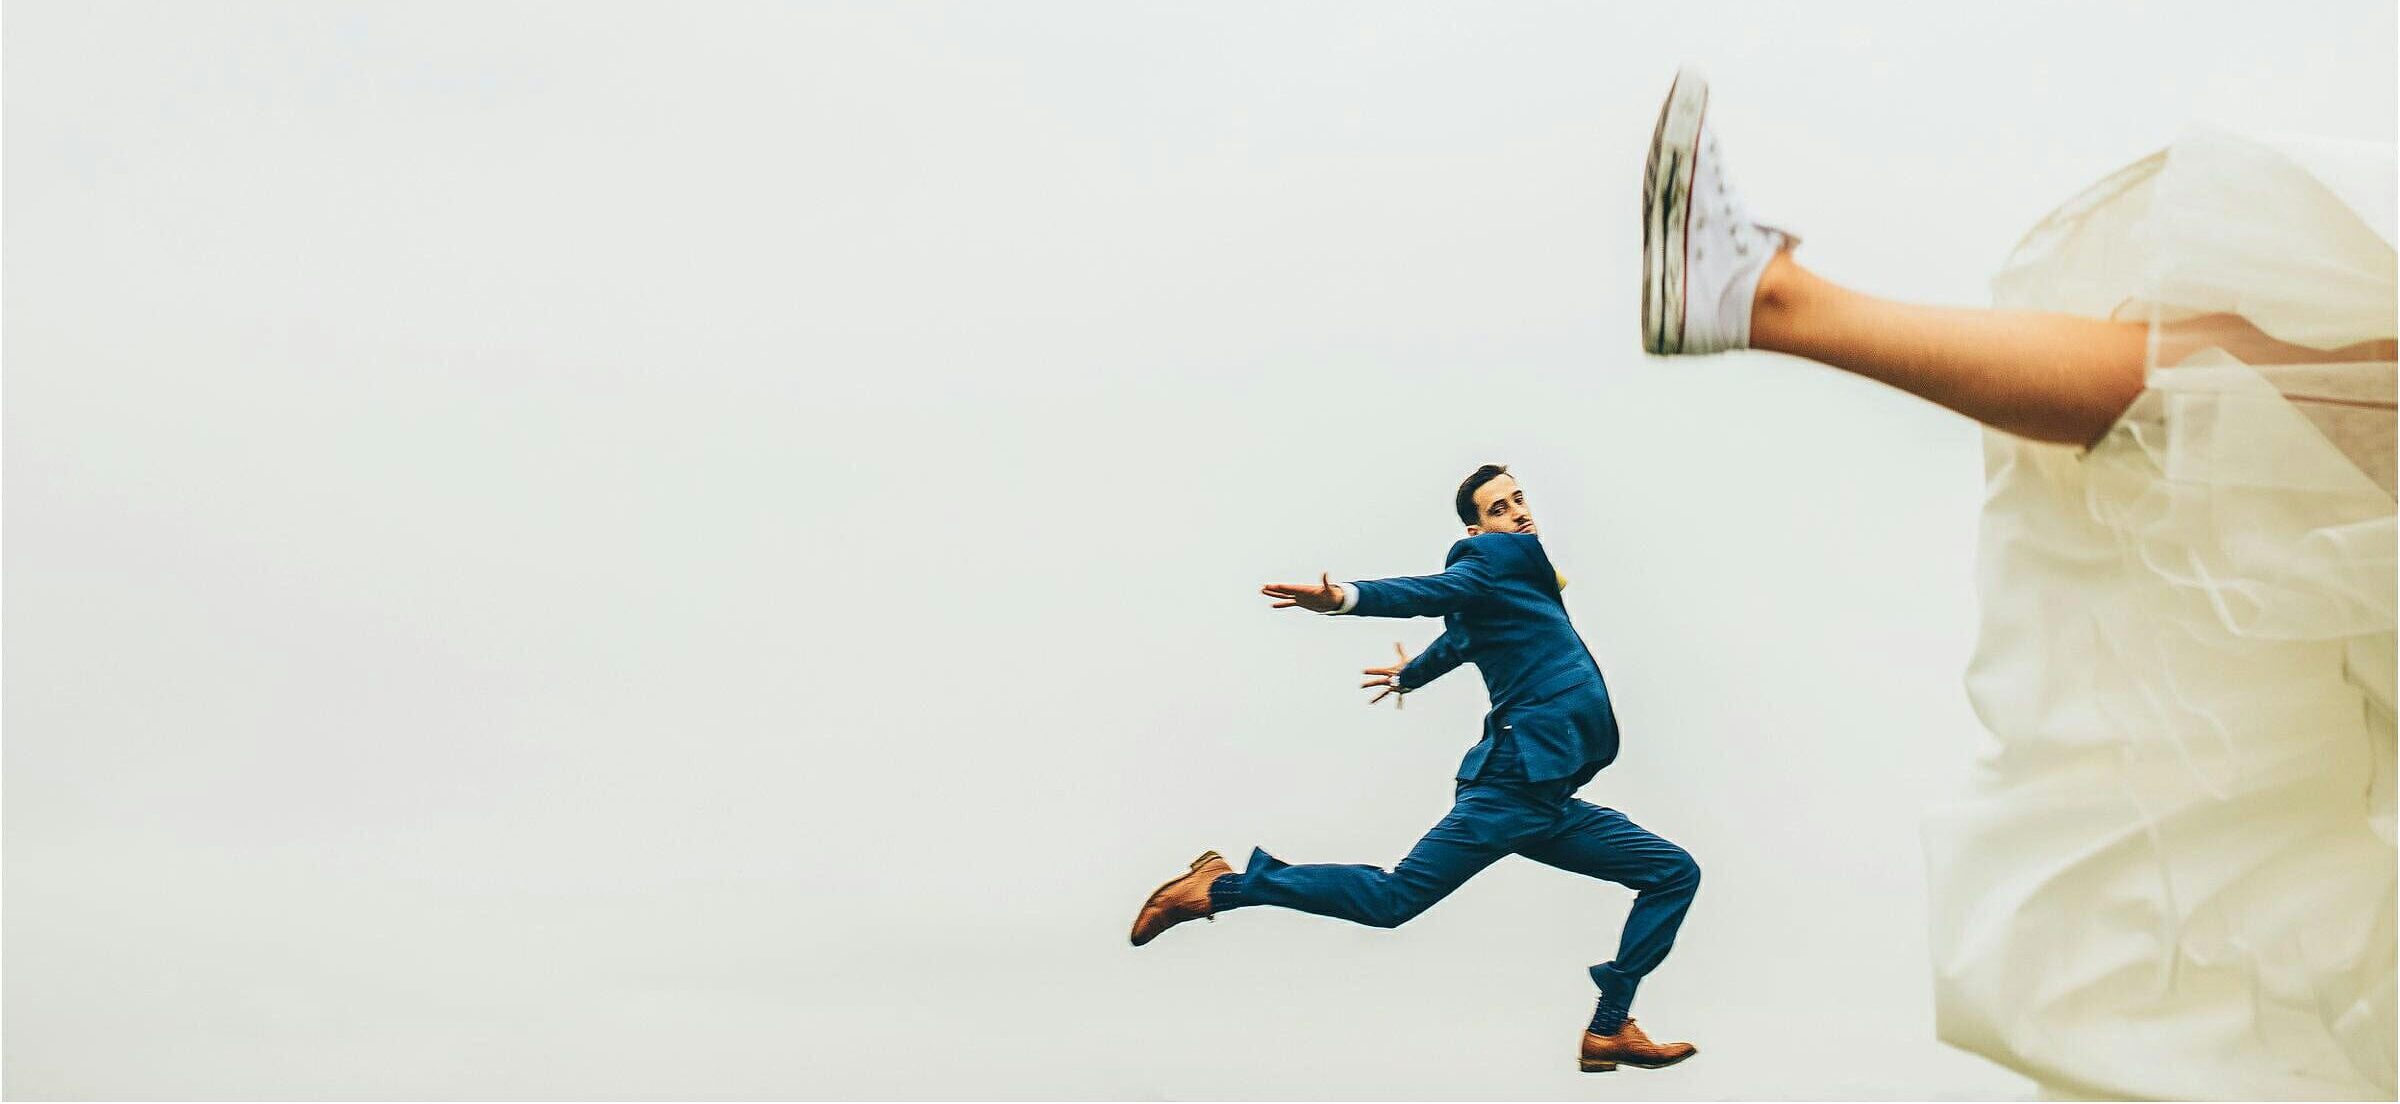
(1500, 508)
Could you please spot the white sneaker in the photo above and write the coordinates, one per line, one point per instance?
(1702, 254)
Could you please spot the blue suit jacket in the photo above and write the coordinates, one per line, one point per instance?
(1500, 609)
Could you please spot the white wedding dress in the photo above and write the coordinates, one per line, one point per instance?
(2173, 876)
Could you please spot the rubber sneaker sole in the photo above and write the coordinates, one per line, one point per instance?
(1667, 177)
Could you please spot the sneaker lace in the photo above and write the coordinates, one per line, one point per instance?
(1722, 204)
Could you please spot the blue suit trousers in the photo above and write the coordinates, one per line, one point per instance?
(1488, 821)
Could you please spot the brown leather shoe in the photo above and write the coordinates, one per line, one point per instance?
(1602, 1053)
(1184, 897)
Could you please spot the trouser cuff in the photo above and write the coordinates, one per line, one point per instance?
(1229, 890)
(1615, 987)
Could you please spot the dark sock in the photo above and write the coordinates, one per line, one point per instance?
(1224, 893)
(1608, 1018)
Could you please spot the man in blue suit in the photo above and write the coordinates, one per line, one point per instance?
(1549, 731)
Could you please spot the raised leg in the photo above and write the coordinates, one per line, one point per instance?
(2049, 377)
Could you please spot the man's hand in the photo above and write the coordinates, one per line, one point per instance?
(1387, 680)
(1324, 597)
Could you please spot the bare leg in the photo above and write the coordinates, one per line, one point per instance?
(2049, 377)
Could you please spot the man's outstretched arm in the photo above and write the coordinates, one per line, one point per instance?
(1469, 577)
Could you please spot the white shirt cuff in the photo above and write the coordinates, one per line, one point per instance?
(1349, 599)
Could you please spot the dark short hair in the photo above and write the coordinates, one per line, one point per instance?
(1466, 490)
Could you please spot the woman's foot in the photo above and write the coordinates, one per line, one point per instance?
(1702, 254)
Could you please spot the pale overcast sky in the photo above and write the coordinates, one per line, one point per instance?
(612, 550)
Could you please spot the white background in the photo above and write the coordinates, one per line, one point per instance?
(624, 551)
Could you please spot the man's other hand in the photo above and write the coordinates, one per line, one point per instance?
(1386, 680)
